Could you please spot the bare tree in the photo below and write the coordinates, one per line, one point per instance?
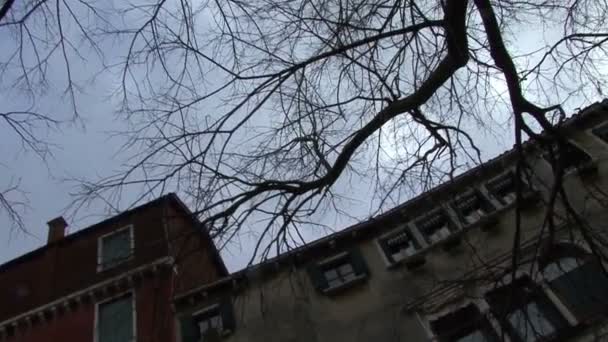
(39, 38)
(260, 110)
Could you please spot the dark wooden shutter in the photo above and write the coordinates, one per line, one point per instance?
(188, 329)
(227, 314)
(358, 262)
(316, 276)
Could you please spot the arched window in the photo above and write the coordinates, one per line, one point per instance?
(578, 279)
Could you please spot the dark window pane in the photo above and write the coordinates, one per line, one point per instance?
(116, 248)
(115, 321)
(530, 322)
(584, 289)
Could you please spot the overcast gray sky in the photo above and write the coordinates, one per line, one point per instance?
(85, 149)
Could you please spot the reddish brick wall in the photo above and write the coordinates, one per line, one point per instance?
(195, 261)
(162, 228)
(153, 314)
(71, 264)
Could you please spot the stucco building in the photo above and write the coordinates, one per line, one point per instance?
(113, 281)
(436, 268)
(439, 267)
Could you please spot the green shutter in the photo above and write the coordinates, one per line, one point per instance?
(227, 314)
(189, 330)
(316, 276)
(358, 262)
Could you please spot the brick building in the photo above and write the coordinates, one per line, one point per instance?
(113, 281)
(439, 267)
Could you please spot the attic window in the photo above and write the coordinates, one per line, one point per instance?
(208, 324)
(398, 245)
(338, 272)
(435, 226)
(571, 157)
(115, 248)
(472, 207)
(503, 188)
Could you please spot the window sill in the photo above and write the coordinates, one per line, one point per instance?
(107, 267)
(332, 290)
(411, 262)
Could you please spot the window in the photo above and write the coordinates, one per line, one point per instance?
(472, 207)
(525, 312)
(115, 319)
(115, 248)
(208, 324)
(570, 156)
(398, 245)
(435, 226)
(464, 325)
(338, 272)
(578, 279)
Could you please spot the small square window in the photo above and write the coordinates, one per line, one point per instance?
(398, 245)
(503, 188)
(338, 272)
(115, 248)
(208, 324)
(570, 156)
(436, 226)
(472, 207)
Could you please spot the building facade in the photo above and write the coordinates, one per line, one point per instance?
(441, 267)
(113, 281)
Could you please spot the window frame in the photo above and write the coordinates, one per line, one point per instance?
(224, 310)
(381, 243)
(316, 271)
(532, 293)
(580, 167)
(584, 258)
(527, 191)
(422, 226)
(131, 293)
(482, 200)
(101, 266)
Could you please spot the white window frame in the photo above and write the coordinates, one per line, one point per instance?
(207, 309)
(481, 304)
(100, 264)
(414, 239)
(109, 299)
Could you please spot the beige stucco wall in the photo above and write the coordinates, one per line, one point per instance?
(283, 305)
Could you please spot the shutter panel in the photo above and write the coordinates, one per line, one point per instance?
(358, 262)
(316, 277)
(227, 314)
(189, 329)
